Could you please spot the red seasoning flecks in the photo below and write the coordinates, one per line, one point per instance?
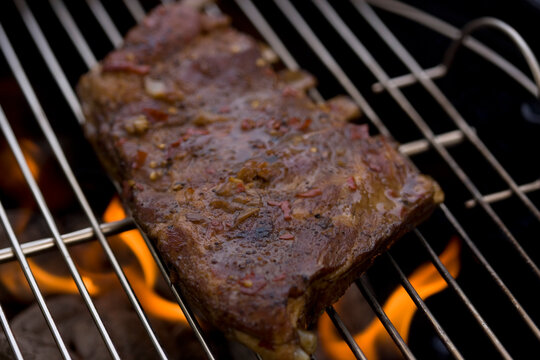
(310, 193)
(225, 109)
(351, 183)
(357, 132)
(192, 131)
(286, 210)
(139, 159)
(126, 66)
(247, 124)
(176, 143)
(240, 187)
(298, 124)
(155, 114)
(285, 207)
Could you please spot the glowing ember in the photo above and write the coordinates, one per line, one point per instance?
(399, 307)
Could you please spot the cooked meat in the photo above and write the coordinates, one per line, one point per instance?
(264, 205)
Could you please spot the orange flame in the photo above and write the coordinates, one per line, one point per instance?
(142, 277)
(134, 241)
(153, 303)
(399, 307)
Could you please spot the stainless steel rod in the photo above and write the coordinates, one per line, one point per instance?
(294, 17)
(345, 333)
(364, 54)
(72, 30)
(49, 58)
(135, 8)
(487, 22)
(421, 305)
(380, 74)
(385, 321)
(505, 194)
(402, 53)
(27, 271)
(446, 29)
(187, 312)
(492, 273)
(38, 196)
(61, 158)
(452, 283)
(105, 21)
(9, 334)
(409, 79)
(302, 27)
(177, 292)
(73, 238)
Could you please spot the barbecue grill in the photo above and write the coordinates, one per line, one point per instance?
(351, 48)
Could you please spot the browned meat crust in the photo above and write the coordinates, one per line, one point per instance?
(265, 205)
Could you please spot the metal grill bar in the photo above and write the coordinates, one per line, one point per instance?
(344, 332)
(9, 335)
(505, 194)
(135, 8)
(454, 285)
(362, 285)
(421, 305)
(452, 32)
(302, 27)
(76, 237)
(31, 281)
(188, 313)
(12, 141)
(414, 147)
(60, 156)
(45, 49)
(268, 33)
(368, 60)
(493, 274)
(72, 30)
(372, 18)
(105, 21)
(419, 146)
(409, 79)
(298, 22)
(49, 58)
(363, 53)
(507, 30)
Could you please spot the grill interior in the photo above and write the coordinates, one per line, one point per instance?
(485, 114)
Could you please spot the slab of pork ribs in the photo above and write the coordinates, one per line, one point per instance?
(264, 204)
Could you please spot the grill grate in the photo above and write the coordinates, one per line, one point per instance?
(392, 86)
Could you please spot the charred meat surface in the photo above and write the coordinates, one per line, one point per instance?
(264, 204)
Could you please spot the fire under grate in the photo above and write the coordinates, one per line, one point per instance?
(301, 25)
